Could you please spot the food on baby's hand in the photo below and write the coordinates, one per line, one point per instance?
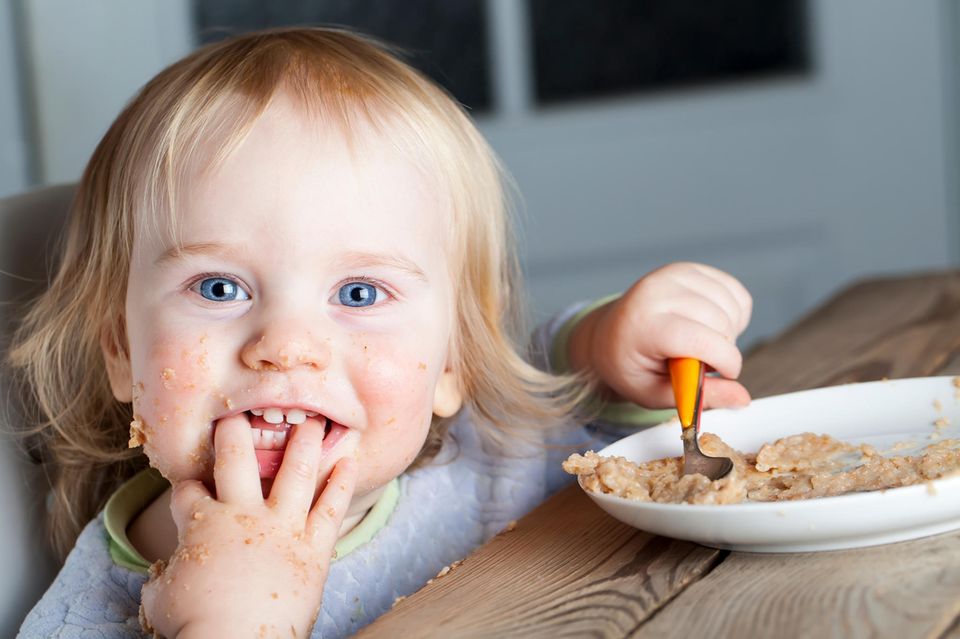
(796, 467)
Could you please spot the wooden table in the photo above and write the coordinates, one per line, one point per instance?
(569, 569)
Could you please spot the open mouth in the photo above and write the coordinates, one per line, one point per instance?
(271, 429)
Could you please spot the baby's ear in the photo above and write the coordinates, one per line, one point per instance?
(447, 397)
(113, 343)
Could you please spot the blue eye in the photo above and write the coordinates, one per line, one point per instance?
(357, 294)
(220, 289)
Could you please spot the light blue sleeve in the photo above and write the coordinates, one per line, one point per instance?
(614, 421)
(91, 598)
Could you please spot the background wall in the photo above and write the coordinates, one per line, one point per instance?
(795, 186)
(84, 61)
(13, 150)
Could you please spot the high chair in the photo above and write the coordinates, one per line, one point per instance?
(30, 226)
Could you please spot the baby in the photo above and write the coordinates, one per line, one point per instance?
(288, 281)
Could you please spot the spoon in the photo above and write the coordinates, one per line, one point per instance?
(686, 377)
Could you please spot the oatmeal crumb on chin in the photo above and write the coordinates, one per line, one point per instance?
(156, 569)
(145, 624)
(138, 436)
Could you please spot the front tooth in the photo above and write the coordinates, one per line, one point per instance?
(267, 441)
(279, 439)
(296, 416)
(257, 437)
(273, 416)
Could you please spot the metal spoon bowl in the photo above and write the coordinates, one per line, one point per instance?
(696, 462)
(686, 377)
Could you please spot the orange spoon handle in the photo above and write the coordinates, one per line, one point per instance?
(686, 377)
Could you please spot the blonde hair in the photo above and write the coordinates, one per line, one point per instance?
(191, 116)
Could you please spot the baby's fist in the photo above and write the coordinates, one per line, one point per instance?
(679, 310)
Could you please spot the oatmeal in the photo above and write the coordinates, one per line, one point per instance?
(797, 467)
(138, 436)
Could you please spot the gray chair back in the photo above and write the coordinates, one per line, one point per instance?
(30, 226)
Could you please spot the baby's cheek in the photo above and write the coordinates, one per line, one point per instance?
(389, 374)
(173, 404)
(178, 448)
(396, 390)
(179, 375)
(181, 368)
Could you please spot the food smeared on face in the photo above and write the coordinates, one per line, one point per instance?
(138, 435)
(274, 307)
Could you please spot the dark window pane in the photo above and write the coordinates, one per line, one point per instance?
(605, 47)
(446, 39)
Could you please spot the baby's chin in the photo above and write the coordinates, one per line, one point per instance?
(178, 467)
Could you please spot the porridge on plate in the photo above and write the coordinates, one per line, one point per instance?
(802, 466)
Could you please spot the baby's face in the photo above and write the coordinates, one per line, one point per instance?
(313, 280)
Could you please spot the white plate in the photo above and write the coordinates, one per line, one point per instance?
(879, 413)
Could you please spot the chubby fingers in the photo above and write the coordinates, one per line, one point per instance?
(327, 515)
(296, 481)
(727, 291)
(723, 290)
(685, 337)
(717, 393)
(708, 312)
(235, 470)
(185, 501)
(724, 393)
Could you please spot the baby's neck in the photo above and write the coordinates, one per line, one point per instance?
(359, 508)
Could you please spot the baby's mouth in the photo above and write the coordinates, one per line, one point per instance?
(271, 429)
(271, 426)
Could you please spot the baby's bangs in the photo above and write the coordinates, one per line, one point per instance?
(340, 79)
(194, 144)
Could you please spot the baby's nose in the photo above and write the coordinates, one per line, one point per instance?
(277, 350)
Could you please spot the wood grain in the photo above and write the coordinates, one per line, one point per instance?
(953, 632)
(889, 328)
(911, 589)
(590, 577)
(571, 570)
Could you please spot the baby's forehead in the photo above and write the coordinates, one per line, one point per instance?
(295, 182)
(308, 145)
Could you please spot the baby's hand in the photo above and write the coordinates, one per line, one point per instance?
(245, 565)
(679, 310)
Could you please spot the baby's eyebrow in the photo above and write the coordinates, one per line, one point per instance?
(200, 248)
(351, 260)
(358, 260)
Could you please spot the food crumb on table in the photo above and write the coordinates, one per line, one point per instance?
(446, 569)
